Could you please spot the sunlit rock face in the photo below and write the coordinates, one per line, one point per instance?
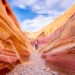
(59, 53)
(53, 26)
(14, 46)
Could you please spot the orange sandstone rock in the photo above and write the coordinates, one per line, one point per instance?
(14, 46)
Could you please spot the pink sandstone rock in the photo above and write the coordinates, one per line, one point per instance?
(60, 54)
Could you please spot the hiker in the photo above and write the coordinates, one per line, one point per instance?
(36, 45)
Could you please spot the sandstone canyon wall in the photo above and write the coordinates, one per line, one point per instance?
(56, 41)
(59, 52)
(57, 46)
(14, 46)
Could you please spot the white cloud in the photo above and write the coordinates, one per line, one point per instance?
(21, 6)
(43, 6)
(66, 3)
(50, 7)
(37, 23)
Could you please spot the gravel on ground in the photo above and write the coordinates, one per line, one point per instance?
(35, 66)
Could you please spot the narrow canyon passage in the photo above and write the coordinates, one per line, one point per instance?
(55, 43)
(35, 66)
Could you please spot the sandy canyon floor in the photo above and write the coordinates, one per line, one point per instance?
(35, 66)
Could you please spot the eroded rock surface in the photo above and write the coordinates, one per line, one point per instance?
(59, 53)
(14, 46)
(56, 45)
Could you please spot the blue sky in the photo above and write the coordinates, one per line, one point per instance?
(35, 14)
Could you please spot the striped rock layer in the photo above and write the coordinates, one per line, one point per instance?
(59, 52)
(14, 45)
(56, 41)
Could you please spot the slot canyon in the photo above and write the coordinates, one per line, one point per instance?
(48, 51)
